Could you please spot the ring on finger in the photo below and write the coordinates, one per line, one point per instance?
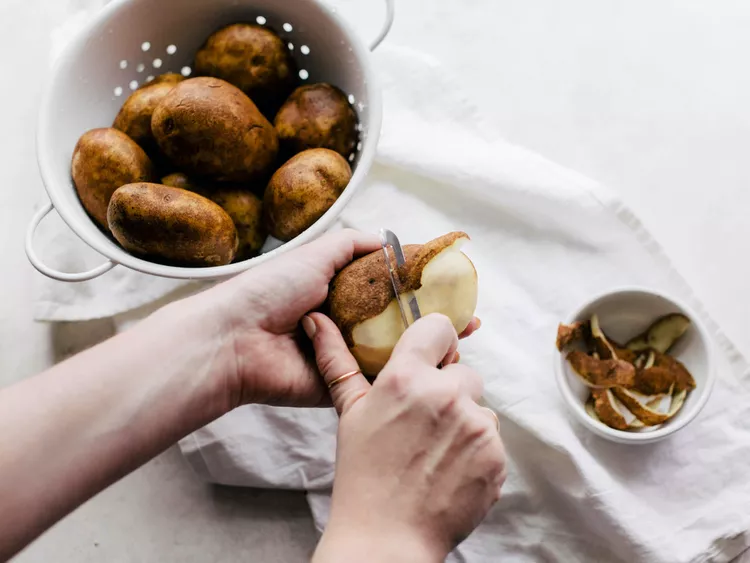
(494, 415)
(344, 377)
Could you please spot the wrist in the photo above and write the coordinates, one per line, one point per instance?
(195, 338)
(348, 542)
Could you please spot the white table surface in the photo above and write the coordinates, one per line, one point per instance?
(650, 97)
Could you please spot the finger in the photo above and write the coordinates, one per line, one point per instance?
(341, 247)
(469, 381)
(334, 360)
(474, 325)
(432, 339)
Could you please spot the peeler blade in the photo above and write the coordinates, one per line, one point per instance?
(389, 238)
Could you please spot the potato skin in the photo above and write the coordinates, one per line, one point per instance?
(166, 78)
(103, 160)
(207, 127)
(134, 117)
(183, 181)
(244, 207)
(171, 225)
(254, 59)
(302, 190)
(246, 211)
(317, 116)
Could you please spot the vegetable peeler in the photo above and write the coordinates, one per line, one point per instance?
(389, 238)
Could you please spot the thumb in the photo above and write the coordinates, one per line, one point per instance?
(334, 360)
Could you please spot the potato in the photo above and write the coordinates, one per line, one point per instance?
(134, 118)
(246, 210)
(207, 127)
(302, 190)
(363, 305)
(317, 116)
(254, 59)
(103, 160)
(243, 206)
(171, 225)
(180, 180)
(166, 78)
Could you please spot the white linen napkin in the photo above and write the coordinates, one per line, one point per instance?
(544, 239)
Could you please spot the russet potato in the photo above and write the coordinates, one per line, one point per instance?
(302, 190)
(103, 160)
(254, 59)
(364, 307)
(207, 127)
(317, 116)
(134, 117)
(171, 225)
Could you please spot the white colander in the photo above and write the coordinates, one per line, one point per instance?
(129, 41)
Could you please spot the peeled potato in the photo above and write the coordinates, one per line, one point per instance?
(364, 307)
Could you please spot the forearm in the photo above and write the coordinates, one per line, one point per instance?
(75, 429)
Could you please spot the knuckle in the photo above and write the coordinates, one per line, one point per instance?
(397, 380)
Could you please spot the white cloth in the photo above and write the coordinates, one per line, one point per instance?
(544, 239)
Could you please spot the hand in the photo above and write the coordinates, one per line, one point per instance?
(419, 463)
(269, 359)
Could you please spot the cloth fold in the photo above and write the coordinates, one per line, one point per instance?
(543, 240)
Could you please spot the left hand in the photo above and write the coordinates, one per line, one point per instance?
(261, 311)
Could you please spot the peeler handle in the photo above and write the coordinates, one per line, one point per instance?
(389, 14)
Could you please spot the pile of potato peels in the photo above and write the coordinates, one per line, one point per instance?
(634, 386)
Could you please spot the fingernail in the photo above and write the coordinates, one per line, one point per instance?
(308, 325)
(479, 323)
(456, 358)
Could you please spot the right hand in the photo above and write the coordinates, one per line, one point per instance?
(418, 463)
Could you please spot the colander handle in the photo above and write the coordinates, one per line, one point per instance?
(389, 13)
(46, 270)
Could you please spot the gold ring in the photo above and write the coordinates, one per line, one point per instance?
(497, 420)
(344, 377)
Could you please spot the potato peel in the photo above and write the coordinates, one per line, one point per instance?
(661, 335)
(601, 344)
(613, 412)
(569, 334)
(638, 404)
(601, 373)
(633, 387)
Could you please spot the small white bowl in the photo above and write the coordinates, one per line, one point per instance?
(624, 313)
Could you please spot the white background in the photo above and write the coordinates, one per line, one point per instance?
(648, 96)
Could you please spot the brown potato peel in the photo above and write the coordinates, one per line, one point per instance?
(602, 373)
(633, 386)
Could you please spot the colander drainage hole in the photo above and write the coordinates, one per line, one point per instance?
(118, 91)
(287, 27)
(171, 50)
(149, 78)
(140, 68)
(123, 64)
(303, 74)
(133, 84)
(351, 99)
(305, 50)
(291, 46)
(351, 157)
(261, 20)
(145, 46)
(157, 63)
(186, 71)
